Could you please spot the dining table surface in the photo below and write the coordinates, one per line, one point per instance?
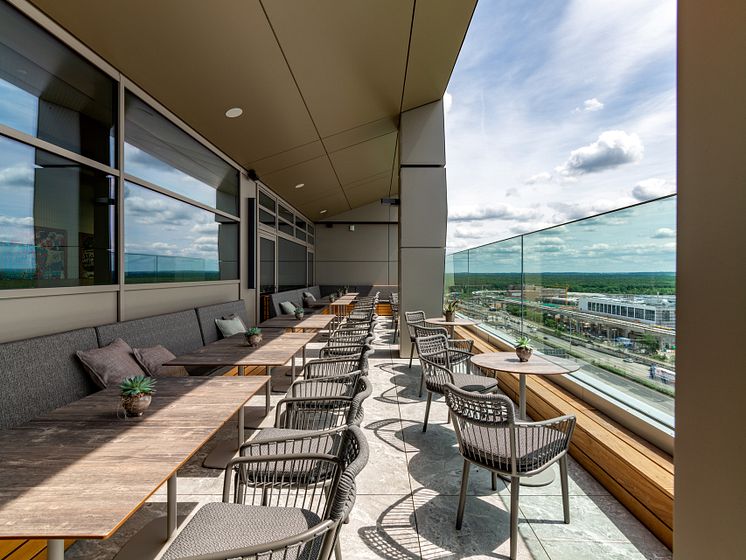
(80, 471)
(316, 321)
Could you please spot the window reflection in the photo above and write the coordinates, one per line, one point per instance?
(291, 265)
(167, 240)
(267, 265)
(56, 220)
(48, 91)
(160, 152)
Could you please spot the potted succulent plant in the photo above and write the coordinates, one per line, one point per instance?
(523, 349)
(450, 308)
(299, 312)
(332, 297)
(137, 393)
(253, 336)
(340, 292)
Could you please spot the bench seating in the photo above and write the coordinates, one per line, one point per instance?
(293, 296)
(206, 316)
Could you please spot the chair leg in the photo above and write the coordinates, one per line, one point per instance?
(514, 489)
(422, 382)
(411, 354)
(462, 496)
(494, 481)
(337, 549)
(565, 488)
(427, 410)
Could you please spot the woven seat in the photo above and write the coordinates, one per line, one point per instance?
(490, 447)
(221, 526)
(469, 382)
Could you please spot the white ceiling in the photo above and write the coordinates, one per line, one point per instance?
(321, 83)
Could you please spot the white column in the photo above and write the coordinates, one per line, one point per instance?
(423, 213)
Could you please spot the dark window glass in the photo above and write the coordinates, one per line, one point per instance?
(649, 315)
(300, 223)
(286, 228)
(266, 265)
(160, 152)
(311, 229)
(310, 269)
(57, 220)
(267, 202)
(285, 214)
(266, 218)
(166, 240)
(48, 91)
(310, 239)
(300, 234)
(291, 265)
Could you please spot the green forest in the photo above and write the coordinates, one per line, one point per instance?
(649, 283)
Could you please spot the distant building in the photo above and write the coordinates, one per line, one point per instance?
(652, 310)
(538, 293)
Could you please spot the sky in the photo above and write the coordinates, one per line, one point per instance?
(558, 111)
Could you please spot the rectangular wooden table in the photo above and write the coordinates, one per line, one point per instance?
(82, 470)
(314, 322)
(339, 306)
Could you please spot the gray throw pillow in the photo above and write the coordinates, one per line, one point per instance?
(287, 308)
(152, 360)
(228, 326)
(308, 296)
(110, 365)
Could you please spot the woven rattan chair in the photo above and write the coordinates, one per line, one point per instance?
(442, 365)
(323, 367)
(413, 318)
(422, 331)
(489, 436)
(291, 510)
(395, 314)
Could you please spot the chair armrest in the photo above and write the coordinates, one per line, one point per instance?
(543, 442)
(465, 344)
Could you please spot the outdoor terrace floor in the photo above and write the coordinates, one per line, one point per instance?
(408, 493)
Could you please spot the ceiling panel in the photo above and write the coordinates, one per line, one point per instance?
(349, 57)
(366, 193)
(365, 159)
(199, 59)
(333, 203)
(361, 133)
(317, 176)
(437, 34)
(288, 158)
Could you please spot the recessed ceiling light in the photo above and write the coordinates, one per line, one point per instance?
(300, 185)
(234, 112)
(322, 212)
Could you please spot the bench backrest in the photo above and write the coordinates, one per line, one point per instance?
(178, 332)
(206, 316)
(43, 373)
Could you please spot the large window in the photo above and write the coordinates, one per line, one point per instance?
(158, 151)
(50, 92)
(57, 220)
(167, 240)
(266, 265)
(291, 265)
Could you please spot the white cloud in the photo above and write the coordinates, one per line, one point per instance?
(18, 176)
(664, 233)
(589, 106)
(14, 221)
(500, 212)
(612, 149)
(653, 188)
(543, 177)
(565, 212)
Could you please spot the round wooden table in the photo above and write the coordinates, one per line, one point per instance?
(457, 322)
(537, 365)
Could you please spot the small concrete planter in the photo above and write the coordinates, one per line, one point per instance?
(136, 405)
(254, 340)
(524, 353)
(449, 316)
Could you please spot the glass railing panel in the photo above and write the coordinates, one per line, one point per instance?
(600, 291)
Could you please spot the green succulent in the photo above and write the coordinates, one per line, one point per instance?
(137, 385)
(451, 306)
(523, 342)
(299, 311)
(253, 331)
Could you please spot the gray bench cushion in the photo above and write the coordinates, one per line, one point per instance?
(206, 316)
(41, 374)
(178, 332)
(293, 296)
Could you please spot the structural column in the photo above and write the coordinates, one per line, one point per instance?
(423, 213)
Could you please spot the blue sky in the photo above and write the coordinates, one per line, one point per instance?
(557, 111)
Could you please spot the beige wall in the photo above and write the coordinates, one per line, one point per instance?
(365, 256)
(144, 301)
(710, 455)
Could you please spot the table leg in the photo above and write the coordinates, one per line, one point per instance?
(171, 520)
(292, 370)
(55, 549)
(241, 420)
(241, 370)
(303, 356)
(269, 391)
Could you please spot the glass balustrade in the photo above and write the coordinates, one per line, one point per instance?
(600, 291)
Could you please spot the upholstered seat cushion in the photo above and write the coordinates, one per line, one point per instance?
(219, 526)
(475, 383)
(228, 326)
(287, 308)
(491, 446)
